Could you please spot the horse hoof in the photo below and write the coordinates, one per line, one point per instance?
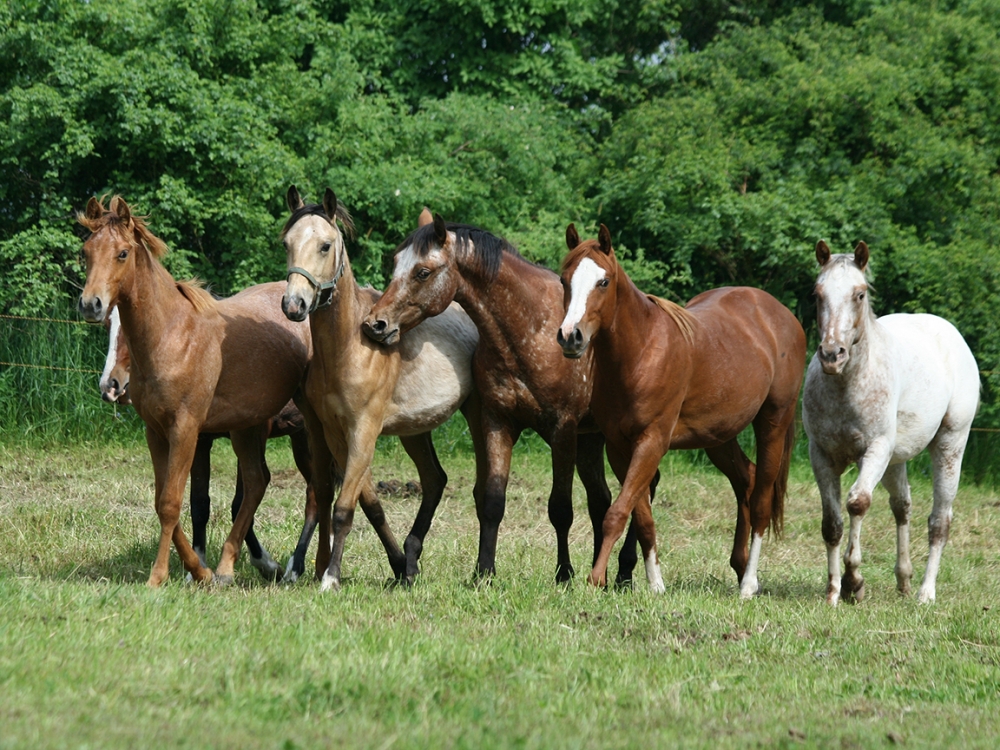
(223, 581)
(564, 573)
(329, 583)
(854, 593)
(269, 570)
(624, 584)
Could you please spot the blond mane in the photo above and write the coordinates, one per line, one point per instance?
(684, 320)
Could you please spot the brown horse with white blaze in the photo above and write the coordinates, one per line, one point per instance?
(669, 377)
(197, 365)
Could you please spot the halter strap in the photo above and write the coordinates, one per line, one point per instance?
(324, 291)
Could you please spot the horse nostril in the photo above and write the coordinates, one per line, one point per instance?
(577, 336)
(379, 326)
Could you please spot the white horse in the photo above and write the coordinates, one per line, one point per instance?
(877, 392)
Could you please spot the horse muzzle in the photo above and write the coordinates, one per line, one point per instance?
(574, 346)
(294, 308)
(832, 358)
(378, 330)
(92, 309)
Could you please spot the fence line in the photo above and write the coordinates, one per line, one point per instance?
(98, 372)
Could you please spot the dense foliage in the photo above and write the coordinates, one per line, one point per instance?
(717, 140)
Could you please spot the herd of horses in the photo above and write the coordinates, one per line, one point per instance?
(582, 357)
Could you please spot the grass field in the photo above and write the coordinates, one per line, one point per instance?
(90, 657)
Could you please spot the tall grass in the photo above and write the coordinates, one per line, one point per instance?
(48, 389)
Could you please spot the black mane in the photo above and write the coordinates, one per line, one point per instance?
(489, 249)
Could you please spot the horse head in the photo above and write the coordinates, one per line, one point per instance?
(589, 278)
(842, 306)
(424, 281)
(117, 235)
(317, 255)
(115, 376)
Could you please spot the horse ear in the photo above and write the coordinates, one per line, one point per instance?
(120, 208)
(293, 199)
(330, 204)
(861, 255)
(822, 253)
(440, 230)
(604, 240)
(94, 209)
(572, 238)
(426, 217)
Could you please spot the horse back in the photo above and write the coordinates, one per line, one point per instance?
(264, 356)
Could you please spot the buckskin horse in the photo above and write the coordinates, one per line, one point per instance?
(878, 391)
(357, 390)
(671, 377)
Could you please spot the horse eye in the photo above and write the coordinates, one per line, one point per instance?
(123, 255)
(603, 283)
(423, 274)
(861, 296)
(325, 248)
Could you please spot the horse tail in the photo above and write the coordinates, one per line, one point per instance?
(781, 482)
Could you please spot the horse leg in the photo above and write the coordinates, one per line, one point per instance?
(898, 487)
(640, 472)
(947, 451)
(303, 461)
(171, 465)
(356, 456)
(259, 558)
(420, 449)
(827, 475)
(201, 470)
(871, 468)
(490, 506)
(563, 446)
(774, 432)
(730, 459)
(249, 447)
(590, 467)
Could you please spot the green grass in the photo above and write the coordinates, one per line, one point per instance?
(90, 657)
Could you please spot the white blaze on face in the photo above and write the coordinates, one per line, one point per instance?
(112, 357)
(585, 278)
(406, 259)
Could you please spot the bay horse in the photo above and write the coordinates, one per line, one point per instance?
(289, 421)
(197, 365)
(523, 380)
(878, 391)
(671, 377)
(357, 390)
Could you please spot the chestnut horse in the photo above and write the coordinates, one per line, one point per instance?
(197, 365)
(667, 377)
(114, 389)
(523, 380)
(879, 391)
(357, 390)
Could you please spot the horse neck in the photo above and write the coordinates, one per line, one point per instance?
(500, 307)
(869, 350)
(626, 338)
(148, 307)
(336, 328)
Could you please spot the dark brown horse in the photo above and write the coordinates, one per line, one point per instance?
(523, 379)
(198, 365)
(288, 422)
(693, 377)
